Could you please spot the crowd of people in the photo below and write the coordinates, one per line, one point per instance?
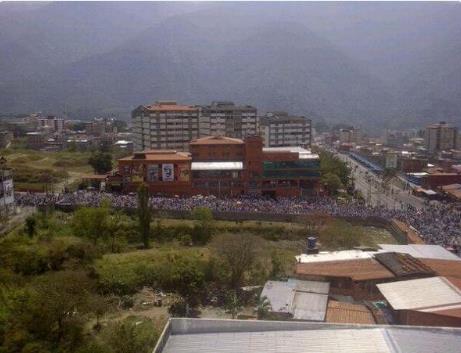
(436, 224)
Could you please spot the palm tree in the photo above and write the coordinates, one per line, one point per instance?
(263, 308)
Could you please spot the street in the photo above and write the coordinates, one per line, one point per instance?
(391, 195)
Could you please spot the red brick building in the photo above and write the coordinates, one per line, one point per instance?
(222, 166)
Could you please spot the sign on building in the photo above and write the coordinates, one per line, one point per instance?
(168, 172)
(152, 172)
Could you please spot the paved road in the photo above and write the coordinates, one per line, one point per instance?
(393, 195)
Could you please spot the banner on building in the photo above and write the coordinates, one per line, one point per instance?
(152, 172)
(184, 172)
(7, 192)
(168, 172)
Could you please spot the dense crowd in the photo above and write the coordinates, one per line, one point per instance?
(436, 224)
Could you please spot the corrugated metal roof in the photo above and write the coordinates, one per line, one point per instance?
(420, 294)
(280, 296)
(217, 166)
(304, 300)
(310, 286)
(308, 341)
(421, 251)
(251, 336)
(309, 306)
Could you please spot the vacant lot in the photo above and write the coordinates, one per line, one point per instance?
(38, 170)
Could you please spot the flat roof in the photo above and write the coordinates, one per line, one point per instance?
(424, 294)
(420, 251)
(303, 153)
(257, 336)
(304, 300)
(217, 166)
(324, 256)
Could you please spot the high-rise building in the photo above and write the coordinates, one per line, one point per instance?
(228, 119)
(51, 124)
(440, 137)
(350, 135)
(165, 125)
(280, 129)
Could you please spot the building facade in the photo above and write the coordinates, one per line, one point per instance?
(222, 166)
(440, 137)
(228, 119)
(6, 188)
(280, 129)
(165, 125)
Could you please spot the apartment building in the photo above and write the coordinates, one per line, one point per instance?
(280, 129)
(441, 137)
(228, 119)
(165, 125)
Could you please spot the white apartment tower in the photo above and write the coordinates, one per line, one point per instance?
(165, 125)
(441, 137)
(228, 119)
(280, 129)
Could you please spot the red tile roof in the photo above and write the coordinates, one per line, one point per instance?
(339, 312)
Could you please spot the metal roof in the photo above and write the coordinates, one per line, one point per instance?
(217, 166)
(421, 294)
(309, 306)
(250, 336)
(303, 300)
(421, 251)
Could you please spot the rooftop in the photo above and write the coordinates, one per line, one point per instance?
(402, 265)
(248, 336)
(424, 294)
(303, 300)
(167, 106)
(341, 312)
(217, 166)
(446, 268)
(216, 140)
(158, 155)
(324, 256)
(421, 251)
(358, 270)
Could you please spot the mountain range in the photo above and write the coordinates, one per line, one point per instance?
(372, 65)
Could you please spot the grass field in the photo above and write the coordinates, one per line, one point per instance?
(36, 170)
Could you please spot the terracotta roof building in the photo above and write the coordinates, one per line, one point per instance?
(344, 313)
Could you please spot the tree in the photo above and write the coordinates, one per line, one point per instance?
(329, 164)
(263, 308)
(144, 214)
(238, 254)
(31, 226)
(203, 229)
(332, 182)
(92, 223)
(49, 312)
(233, 304)
(101, 162)
(277, 268)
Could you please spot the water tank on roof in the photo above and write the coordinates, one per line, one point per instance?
(311, 243)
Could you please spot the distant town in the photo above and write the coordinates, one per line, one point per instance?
(319, 226)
